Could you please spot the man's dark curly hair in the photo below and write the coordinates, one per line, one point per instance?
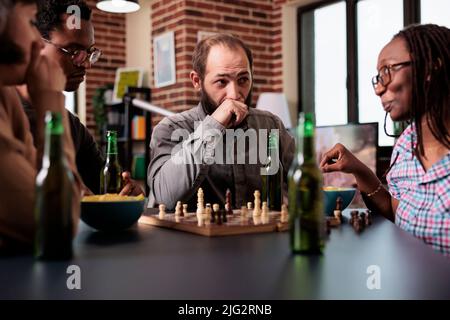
(49, 16)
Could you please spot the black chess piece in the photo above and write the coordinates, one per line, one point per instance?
(339, 203)
(362, 217)
(368, 218)
(228, 206)
(353, 215)
(223, 213)
(218, 217)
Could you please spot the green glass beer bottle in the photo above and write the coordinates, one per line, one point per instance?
(111, 173)
(272, 174)
(53, 203)
(306, 218)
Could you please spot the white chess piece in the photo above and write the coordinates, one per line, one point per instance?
(265, 213)
(178, 209)
(185, 210)
(162, 211)
(257, 209)
(200, 212)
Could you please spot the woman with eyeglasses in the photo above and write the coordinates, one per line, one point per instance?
(413, 84)
(22, 63)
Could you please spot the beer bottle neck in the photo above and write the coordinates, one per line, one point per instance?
(305, 138)
(53, 148)
(111, 151)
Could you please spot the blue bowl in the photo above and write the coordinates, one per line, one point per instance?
(332, 193)
(111, 215)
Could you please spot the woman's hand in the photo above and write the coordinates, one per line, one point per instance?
(340, 159)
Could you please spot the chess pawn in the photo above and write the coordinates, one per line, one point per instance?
(162, 211)
(185, 210)
(215, 213)
(244, 212)
(249, 206)
(265, 213)
(362, 217)
(207, 214)
(353, 215)
(357, 224)
(223, 213)
(178, 209)
(338, 216)
(208, 210)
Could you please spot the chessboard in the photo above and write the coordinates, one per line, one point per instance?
(211, 220)
(235, 224)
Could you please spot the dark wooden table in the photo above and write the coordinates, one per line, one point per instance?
(151, 263)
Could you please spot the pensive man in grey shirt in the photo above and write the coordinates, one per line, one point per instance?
(220, 144)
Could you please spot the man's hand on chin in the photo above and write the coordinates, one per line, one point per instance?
(230, 113)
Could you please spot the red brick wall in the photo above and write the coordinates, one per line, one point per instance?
(110, 38)
(257, 22)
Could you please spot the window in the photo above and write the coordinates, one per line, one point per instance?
(333, 35)
(375, 28)
(330, 92)
(435, 11)
(70, 101)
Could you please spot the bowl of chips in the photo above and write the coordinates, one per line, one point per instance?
(111, 212)
(332, 201)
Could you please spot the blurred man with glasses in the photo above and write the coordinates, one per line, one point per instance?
(74, 49)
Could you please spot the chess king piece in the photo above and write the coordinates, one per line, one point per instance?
(162, 211)
(307, 225)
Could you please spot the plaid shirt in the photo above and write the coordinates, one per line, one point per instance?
(424, 207)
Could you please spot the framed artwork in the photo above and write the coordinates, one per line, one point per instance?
(164, 59)
(126, 77)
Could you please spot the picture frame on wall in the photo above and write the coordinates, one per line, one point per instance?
(126, 77)
(164, 60)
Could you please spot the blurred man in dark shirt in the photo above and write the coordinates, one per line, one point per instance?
(73, 46)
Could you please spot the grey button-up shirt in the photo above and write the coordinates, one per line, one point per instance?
(191, 150)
